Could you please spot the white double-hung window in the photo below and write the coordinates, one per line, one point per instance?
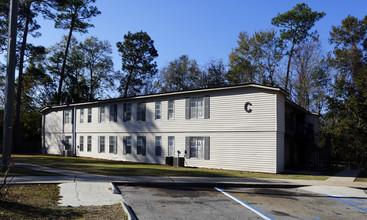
(197, 107)
(113, 144)
(171, 109)
(101, 144)
(158, 112)
(171, 146)
(197, 147)
(102, 114)
(158, 145)
(81, 143)
(89, 115)
(89, 143)
(67, 116)
(81, 115)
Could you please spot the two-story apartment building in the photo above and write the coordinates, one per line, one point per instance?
(237, 127)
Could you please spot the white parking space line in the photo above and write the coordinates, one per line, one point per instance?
(253, 209)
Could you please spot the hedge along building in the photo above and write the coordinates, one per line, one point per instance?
(247, 127)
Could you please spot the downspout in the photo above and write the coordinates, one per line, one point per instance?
(74, 131)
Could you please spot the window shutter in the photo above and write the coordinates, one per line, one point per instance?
(115, 150)
(115, 113)
(187, 108)
(124, 116)
(99, 144)
(207, 107)
(72, 116)
(143, 111)
(187, 147)
(124, 145)
(138, 114)
(144, 149)
(99, 115)
(207, 148)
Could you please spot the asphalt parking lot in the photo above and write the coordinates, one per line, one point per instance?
(174, 202)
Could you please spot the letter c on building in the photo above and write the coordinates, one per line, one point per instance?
(247, 109)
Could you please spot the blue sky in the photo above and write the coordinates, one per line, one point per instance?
(201, 29)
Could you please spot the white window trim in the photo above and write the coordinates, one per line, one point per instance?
(81, 114)
(89, 115)
(159, 110)
(173, 110)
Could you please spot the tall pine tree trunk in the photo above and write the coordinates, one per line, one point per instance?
(62, 74)
(17, 137)
(289, 66)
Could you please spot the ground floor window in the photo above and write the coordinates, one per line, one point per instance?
(158, 146)
(68, 142)
(113, 144)
(198, 147)
(127, 145)
(171, 146)
(81, 143)
(140, 145)
(101, 144)
(89, 143)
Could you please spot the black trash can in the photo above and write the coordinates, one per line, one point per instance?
(179, 161)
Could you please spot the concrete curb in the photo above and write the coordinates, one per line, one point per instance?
(127, 209)
(116, 190)
(129, 212)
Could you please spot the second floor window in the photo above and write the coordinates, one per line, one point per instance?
(81, 115)
(89, 115)
(67, 116)
(113, 112)
(127, 112)
(158, 114)
(197, 107)
(102, 114)
(140, 113)
(171, 109)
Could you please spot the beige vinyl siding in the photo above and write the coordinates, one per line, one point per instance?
(226, 114)
(238, 140)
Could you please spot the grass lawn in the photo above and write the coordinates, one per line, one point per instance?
(116, 168)
(39, 201)
(362, 177)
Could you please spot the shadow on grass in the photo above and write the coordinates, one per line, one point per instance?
(24, 211)
(122, 168)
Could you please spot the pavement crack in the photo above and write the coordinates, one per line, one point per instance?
(172, 180)
(76, 191)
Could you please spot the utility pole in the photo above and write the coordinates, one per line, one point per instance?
(9, 86)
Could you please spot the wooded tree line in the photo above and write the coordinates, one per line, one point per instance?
(289, 56)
